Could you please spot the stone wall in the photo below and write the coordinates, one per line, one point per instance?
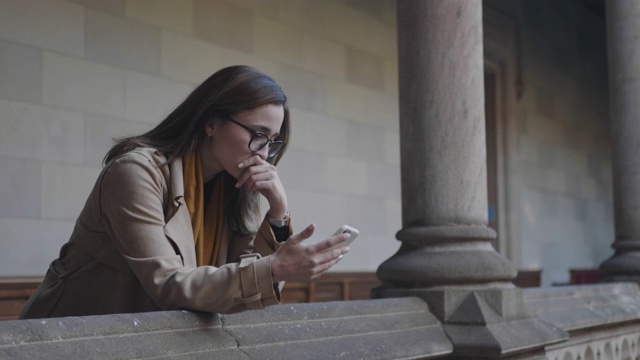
(75, 74)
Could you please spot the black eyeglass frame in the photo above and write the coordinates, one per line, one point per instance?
(257, 134)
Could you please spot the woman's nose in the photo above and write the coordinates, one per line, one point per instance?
(264, 152)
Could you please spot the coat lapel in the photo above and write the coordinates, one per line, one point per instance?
(178, 227)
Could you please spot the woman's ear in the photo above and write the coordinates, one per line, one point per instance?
(209, 127)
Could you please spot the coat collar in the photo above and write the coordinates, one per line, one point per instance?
(177, 181)
(172, 172)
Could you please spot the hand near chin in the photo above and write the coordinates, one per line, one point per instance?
(259, 175)
(296, 261)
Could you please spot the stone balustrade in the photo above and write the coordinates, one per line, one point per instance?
(601, 322)
(373, 329)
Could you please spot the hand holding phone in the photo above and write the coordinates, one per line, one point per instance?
(342, 230)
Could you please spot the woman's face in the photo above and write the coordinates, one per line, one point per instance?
(227, 144)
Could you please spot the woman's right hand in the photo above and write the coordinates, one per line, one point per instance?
(295, 261)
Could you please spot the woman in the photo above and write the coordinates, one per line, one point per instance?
(173, 219)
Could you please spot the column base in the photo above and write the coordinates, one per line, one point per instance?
(622, 265)
(484, 321)
(446, 255)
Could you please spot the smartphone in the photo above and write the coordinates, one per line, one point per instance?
(342, 230)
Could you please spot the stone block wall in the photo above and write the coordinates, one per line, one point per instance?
(75, 74)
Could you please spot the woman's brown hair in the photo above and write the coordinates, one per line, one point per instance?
(224, 93)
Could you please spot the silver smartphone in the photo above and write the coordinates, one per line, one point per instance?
(342, 230)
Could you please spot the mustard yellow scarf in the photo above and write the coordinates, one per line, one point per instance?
(207, 221)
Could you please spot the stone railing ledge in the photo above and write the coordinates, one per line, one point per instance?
(400, 328)
(585, 306)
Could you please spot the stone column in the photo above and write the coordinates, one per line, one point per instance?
(446, 256)
(623, 40)
(445, 238)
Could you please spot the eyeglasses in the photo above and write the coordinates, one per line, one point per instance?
(260, 140)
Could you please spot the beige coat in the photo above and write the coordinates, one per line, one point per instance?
(132, 250)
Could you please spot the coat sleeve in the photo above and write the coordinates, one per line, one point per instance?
(131, 196)
(263, 243)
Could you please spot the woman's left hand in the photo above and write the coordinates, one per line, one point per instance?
(259, 175)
